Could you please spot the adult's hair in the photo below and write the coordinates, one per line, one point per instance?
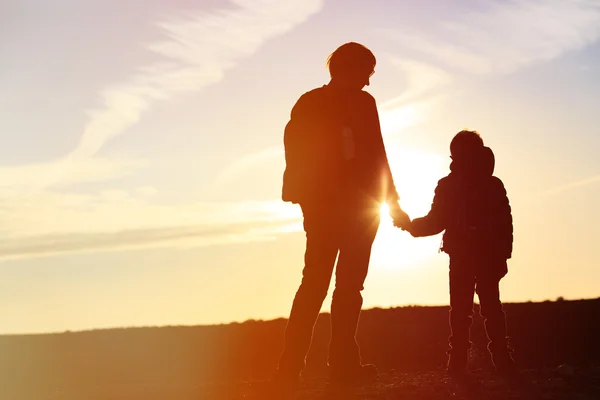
(350, 57)
(464, 142)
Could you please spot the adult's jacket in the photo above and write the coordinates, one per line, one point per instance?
(334, 150)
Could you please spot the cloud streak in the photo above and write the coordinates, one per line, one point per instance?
(174, 237)
(21, 178)
(198, 52)
(246, 162)
(507, 36)
(423, 94)
(422, 80)
(53, 223)
(572, 185)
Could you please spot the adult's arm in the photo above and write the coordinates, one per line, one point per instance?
(384, 172)
(296, 150)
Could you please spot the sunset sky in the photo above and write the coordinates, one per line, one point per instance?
(142, 153)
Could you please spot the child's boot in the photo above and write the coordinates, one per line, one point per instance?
(457, 361)
(503, 362)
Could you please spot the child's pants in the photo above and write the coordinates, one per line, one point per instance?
(470, 275)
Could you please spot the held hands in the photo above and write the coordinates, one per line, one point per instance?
(400, 218)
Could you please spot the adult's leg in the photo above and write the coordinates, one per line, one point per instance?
(321, 251)
(360, 228)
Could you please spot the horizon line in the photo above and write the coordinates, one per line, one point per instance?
(251, 320)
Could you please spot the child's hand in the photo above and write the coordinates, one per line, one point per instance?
(400, 218)
(409, 229)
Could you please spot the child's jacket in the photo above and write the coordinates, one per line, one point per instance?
(471, 205)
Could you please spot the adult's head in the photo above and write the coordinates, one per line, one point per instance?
(351, 65)
(465, 143)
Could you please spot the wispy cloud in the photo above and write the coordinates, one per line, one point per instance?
(40, 218)
(424, 92)
(248, 161)
(171, 237)
(20, 178)
(422, 80)
(508, 35)
(198, 52)
(57, 223)
(571, 185)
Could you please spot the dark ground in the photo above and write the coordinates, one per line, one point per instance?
(556, 344)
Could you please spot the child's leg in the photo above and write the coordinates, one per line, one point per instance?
(492, 311)
(462, 288)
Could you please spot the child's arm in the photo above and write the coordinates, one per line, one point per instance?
(434, 222)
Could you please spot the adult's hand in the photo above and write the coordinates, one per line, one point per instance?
(400, 218)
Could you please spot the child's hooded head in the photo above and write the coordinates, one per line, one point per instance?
(464, 144)
(469, 156)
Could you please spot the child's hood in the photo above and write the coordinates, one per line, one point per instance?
(479, 164)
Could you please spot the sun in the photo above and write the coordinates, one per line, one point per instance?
(416, 174)
(384, 211)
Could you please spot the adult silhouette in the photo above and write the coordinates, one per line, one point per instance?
(337, 171)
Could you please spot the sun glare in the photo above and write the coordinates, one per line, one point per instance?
(416, 174)
(385, 214)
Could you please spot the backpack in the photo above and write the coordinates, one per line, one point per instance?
(316, 145)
